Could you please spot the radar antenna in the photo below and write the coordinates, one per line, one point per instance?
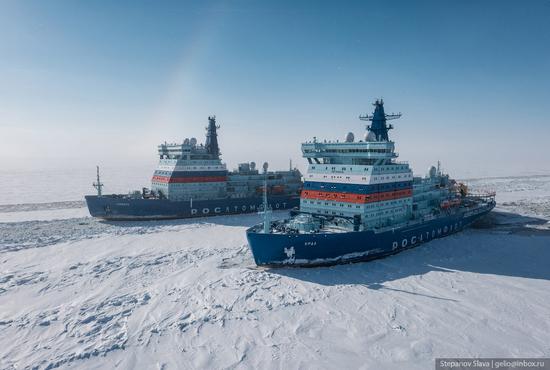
(98, 185)
(378, 119)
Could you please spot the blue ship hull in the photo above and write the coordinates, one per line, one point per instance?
(316, 249)
(112, 207)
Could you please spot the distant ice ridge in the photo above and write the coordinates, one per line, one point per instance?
(68, 184)
(524, 195)
(46, 194)
(43, 215)
(82, 293)
(27, 207)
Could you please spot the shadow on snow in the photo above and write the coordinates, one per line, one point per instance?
(502, 243)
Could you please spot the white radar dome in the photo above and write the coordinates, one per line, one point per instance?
(370, 136)
(432, 171)
(193, 141)
(350, 137)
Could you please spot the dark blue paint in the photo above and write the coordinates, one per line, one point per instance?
(357, 189)
(119, 208)
(332, 248)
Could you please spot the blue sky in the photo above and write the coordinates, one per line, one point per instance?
(105, 81)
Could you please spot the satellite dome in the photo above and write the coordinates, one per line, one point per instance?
(370, 136)
(186, 141)
(252, 166)
(350, 137)
(193, 141)
(265, 166)
(432, 171)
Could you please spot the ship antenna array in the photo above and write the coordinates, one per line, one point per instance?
(266, 211)
(370, 117)
(98, 185)
(379, 118)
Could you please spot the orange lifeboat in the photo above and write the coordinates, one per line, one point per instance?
(278, 189)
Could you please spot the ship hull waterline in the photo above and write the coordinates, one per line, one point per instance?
(129, 209)
(325, 249)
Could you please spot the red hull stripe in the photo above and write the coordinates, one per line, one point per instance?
(179, 180)
(355, 198)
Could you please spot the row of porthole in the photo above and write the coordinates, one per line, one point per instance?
(389, 168)
(312, 175)
(373, 205)
(333, 186)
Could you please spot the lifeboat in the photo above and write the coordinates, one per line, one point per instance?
(277, 189)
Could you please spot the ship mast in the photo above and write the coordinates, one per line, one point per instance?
(378, 119)
(266, 212)
(98, 185)
(211, 143)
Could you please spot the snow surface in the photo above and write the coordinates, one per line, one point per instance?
(76, 292)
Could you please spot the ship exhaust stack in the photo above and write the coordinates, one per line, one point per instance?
(379, 126)
(211, 143)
